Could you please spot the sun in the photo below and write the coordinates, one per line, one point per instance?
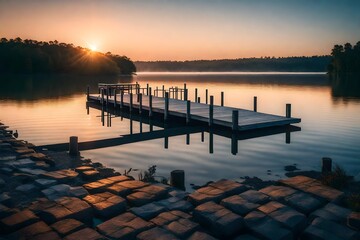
(93, 47)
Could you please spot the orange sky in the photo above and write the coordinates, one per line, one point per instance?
(187, 30)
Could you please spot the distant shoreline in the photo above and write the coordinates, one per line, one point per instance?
(228, 73)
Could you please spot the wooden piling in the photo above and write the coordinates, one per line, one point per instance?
(163, 91)
(107, 95)
(166, 110)
(255, 104)
(211, 111)
(288, 110)
(87, 92)
(198, 99)
(196, 94)
(147, 89)
(177, 179)
(150, 104)
(187, 139)
(102, 96)
(326, 165)
(121, 99)
(157, 91)
(234, 144)
(140, 103)
(222, 99)
(131, 102)
(211, 142)
(235, 120)
(115, 98)
(73, 146)
(185, 94)
(206, 96)
(188, 113)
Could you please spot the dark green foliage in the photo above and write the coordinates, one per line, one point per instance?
(337, 178)
(345, 60)
(149, 175)
(290, 64)
(31, 56)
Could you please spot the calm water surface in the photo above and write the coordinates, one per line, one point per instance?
(50, 109)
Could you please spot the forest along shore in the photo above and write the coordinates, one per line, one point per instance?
(51, 195)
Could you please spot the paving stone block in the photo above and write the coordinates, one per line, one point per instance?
(31, 231)
(32, 171)
(303, 202)
(206, 194)
(158, 191)
(178, 193)
(221, 221)
(175, 203)
(290, 218)
(278, 192)
(67, 207)
(182, 227)
(255, 197)
(118, 190)
(78, 192)
(124, 226)
(156, 233)
(167, 217)
(138, 199)
(229, 187)
(264, 227)
(95, 187)
(312, 232)
(90, 234)
(271, 207)
(119, 178)
(5, 211)
(17, 221)
(239, 205)
(353, 220)
(90, 175)
(201, 236)
(148, 211)
(67, 226)
(106, 204)
(5, 198)
(83, 169)
(27, 188)
(334, 228)
(22, 163)
(44, 183)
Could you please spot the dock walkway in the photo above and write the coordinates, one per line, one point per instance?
(222, 116)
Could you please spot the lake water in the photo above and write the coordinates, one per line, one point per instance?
(48, 109)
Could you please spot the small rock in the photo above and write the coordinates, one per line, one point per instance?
(148, 211)
(90, 234)
(67, 226)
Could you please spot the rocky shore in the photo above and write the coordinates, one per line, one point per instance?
(50, 195)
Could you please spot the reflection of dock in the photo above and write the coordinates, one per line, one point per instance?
(208, 114)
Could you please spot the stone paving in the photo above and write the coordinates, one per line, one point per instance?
(41, 201)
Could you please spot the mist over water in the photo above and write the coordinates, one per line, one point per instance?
(48, 109)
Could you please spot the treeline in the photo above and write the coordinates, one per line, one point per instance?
(264, 64)
(345, 60)
(31, 56)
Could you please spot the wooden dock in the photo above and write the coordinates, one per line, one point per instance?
(210, 114)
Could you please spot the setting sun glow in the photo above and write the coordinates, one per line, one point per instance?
(93, 47)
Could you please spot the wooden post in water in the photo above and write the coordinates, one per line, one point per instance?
(185, 92)
(177, 179)
(198, 100)
(166, 110)
(163, 91)
(187, 139)
(147, 89)
(211, 141)
(234, 144)
(157, 92)
(121, 99)
(288, 110)
(73, 146)
(206, 96)
(88, 93)
(255, 104)
(211, 111)
(150, 104)
(222, 99)
(188, 113)
(131, 102)
(196, 95)
(326, 165)
(102, 96)
(107, 95)
(235, 120)
(140, 103)
(115, 98)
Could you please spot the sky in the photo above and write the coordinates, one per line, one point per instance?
(187, 29)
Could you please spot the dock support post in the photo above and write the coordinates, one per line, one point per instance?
(166, 110)
(73, 146)
(88, 93)
(211, 111)
(157, 92)
(206, 96)
(235, 120)
(234, 144)
(107, 95)
(326, 165)
(115, 98)
(222, 99)
(255, 104)
(211, 142)
(188, 113)
(140, 103)
(288, 110)
(177, 179)
(187, 139)
(163, 91)
(147, 89)
(185, 94)
(150, 104)
(131, 102)
(196, 94)
(198, 100)
(202, 136)
(121, 99)
(102, 96)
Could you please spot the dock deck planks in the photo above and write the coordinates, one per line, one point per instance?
(248, 120)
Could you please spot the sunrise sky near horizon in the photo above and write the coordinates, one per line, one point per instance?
(187, 29)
